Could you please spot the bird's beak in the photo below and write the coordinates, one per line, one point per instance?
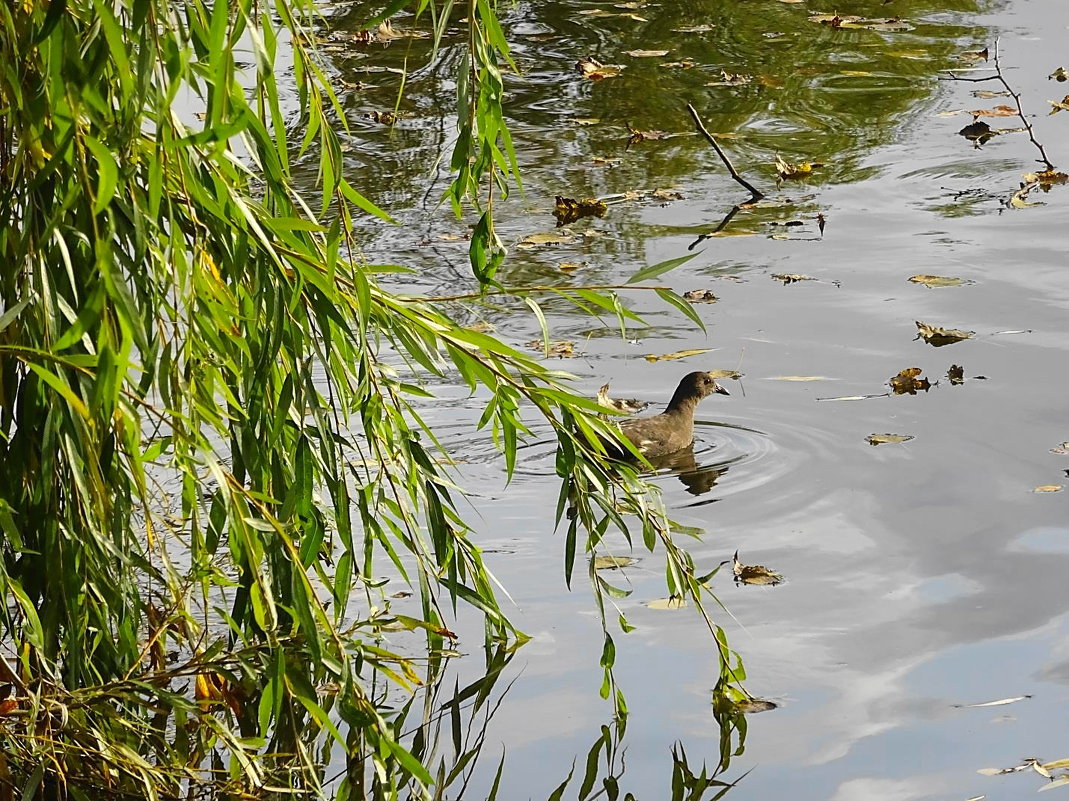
(719, 390)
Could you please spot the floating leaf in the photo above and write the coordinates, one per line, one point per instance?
(1062, 105)
(751, 706)
(999, 702)
(700, 296)
(881, 439)
(685, 64)
(800, 170)
(908, 383)
(612, 562)
(570, 266)
(938, 337)
(586, 121)
(1062, 449)
(626, 405)
(596, 71)
(998, 111)
(679, 354)
(978, 131)
(546, 239)
(753, 574)
(956, 374)
(734, 375)
(694, 29)
(646, 53)
(1058, 75)
(1061, 781)
(382, 117)
(938, 280)
(790, 278)
(568, 210)
(731, 79)
(667, 603)
(563, 349)
(1049, 488)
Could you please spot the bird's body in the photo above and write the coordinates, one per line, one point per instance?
(673, 429)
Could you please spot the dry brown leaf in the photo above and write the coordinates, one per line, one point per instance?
(800, 170)
(938, 280)
(568, 210)
(1062, 105)
(907, 382)
(596, 71)
(751, 706)
(882, 439)
(956, 374)
(753, 574)
(562, 349)
(700, 296)
(679, 354)
(1049, 488)
(938, 337)
(1001, 110)
(546, 239)
(731, 79)
(790, 278)
(646, 53)
(734, 375)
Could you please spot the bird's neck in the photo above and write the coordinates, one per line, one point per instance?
(682, 405)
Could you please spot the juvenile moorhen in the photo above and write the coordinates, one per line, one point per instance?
(673, 429)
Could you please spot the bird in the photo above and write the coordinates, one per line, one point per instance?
(673, 429)
(625, 405)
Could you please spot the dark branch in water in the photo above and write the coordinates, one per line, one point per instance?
(754, 193)
(998, 76)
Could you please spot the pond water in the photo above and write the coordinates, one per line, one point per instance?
(922, 577)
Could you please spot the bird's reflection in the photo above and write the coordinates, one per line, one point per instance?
(697, 478)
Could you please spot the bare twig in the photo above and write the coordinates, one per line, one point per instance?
(998, 76)
(755, 194)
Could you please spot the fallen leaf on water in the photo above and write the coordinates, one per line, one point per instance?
(1062, 105)
(612, 562)
(570, 266)
(1059, 75)
(382, 117)
(751, 706)
(938, 337)
(693, 29)
(790, 278)
(646, 53)
(978, 131)
(1062, 449)
(1045, 179)
(1056, 764)
(685, 64)
(1049, 488)
(974, 55)
(1002, 771)
(956, 374)
(999, 702)
(881, 439)
(546, 239)
(667, 603)
(731, 79)
(908, 383)
(563, 349)
(734, 375)
(568, 210)
(679, 354)
(753, 574)
(651, 135)
(596, 71)
(1001, 110)
(626, 405)
(938, 280)
(601, 161)
(480, 327)
(700, 296)
(586, 121)
(800, 170)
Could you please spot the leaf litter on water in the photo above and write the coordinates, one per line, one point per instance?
(679, 354)
(938, 280)
(882, 439)
(754, 574)
(937, 337)
(609, 562)
(667, 603)
(999, 702)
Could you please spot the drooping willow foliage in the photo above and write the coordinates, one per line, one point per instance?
(208, 445)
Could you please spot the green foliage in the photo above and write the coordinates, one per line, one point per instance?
(208, 414)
